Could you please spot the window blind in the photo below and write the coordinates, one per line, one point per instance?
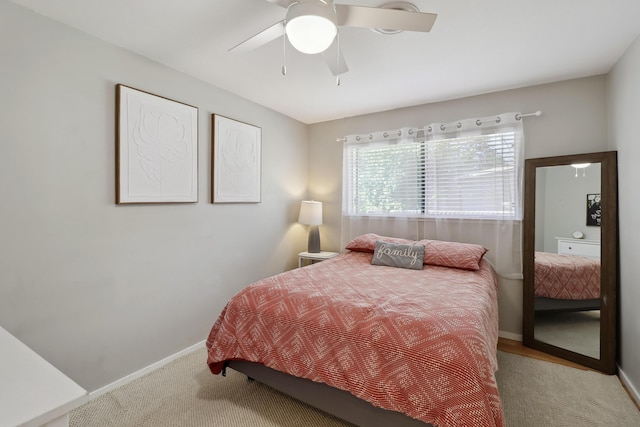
(461, 177)
(471, 177)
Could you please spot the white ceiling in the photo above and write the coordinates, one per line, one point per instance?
(475, 47)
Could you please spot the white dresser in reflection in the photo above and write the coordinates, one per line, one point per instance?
(588, 248)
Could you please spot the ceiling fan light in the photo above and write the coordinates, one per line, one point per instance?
(581, 165)
(311, 26)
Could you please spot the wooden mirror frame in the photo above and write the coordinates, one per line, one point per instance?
(608, 259)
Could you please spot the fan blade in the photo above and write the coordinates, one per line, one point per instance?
(283, 3)
(388, 19)
(262, 38)
(336, 64)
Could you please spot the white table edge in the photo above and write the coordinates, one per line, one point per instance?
(21, 358)
(56, 413)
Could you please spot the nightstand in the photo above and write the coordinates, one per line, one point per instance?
(315, 257)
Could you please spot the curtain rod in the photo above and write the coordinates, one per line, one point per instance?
(519, 116)
(537, 114)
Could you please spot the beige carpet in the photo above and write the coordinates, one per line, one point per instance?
(536, 393)
(184, 393)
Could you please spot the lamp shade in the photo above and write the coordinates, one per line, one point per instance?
(311, 26)
(310, 212)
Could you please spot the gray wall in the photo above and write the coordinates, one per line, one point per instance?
(624, 128)
(102, 290)
(573, 121)
(561, 202)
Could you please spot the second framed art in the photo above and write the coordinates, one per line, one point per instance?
(236, 160)
(594, 209)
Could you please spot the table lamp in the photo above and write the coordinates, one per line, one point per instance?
(311, 214)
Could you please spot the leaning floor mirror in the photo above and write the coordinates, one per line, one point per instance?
(570, 263)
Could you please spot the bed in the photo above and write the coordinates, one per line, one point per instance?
(377, 345)
(566, 282)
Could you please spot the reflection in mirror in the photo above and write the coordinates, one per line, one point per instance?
(570, 258)
(567, 257)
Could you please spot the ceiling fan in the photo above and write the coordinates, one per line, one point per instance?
(311, 26)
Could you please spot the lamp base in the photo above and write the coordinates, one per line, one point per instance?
(313, 245)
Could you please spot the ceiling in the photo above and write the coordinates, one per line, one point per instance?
(475, 47)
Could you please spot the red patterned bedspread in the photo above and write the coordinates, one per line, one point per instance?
(566, 276)
(421, 342)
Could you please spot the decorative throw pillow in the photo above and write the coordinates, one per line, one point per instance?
(398, 255)
(466, 256)
(367, 242)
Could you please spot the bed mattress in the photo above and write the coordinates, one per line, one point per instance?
(420, 342)
(566, 277)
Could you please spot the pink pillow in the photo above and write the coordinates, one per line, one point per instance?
(466, 256)
(367, 242)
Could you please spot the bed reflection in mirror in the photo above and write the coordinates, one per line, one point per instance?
(567, 270)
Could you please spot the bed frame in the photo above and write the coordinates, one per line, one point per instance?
(334, 401)
(552, 304)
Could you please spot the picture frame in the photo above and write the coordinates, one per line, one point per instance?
(236, 162)
(156, 148)
(594, 209)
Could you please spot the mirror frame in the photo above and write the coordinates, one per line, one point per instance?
(609, 263)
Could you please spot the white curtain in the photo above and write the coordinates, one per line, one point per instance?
(501, 236)
(398, 225)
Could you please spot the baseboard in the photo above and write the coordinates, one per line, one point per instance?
(134, 376)
(510, 336)
(633, 391)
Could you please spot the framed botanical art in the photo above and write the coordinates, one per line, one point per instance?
(156, 149)
(594, 209)
(236, 161)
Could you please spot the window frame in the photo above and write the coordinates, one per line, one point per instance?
(514, 142)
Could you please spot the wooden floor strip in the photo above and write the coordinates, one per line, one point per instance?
(516, 347)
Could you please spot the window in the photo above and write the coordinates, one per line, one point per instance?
(469, 176)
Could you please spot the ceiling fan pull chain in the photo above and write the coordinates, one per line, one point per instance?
(338, 57)
(284, 54)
